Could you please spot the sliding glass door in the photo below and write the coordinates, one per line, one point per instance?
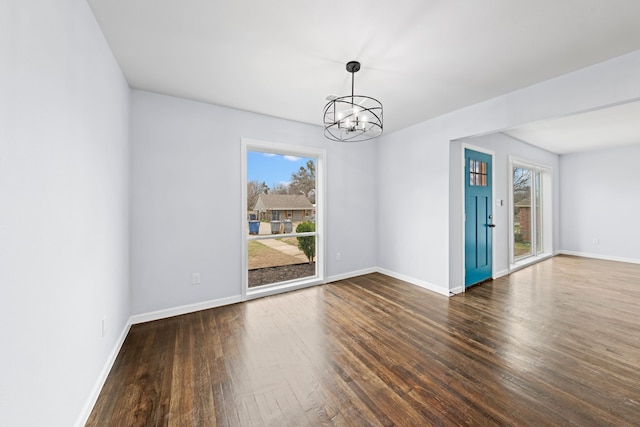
(528, 184)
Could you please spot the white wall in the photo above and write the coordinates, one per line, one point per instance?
(412, 192)
(415, 180)
(187, 211)
(502, 146)
(600, 201)
(64, 108)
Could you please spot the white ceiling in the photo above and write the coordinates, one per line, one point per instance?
(609, 127)
(420, 58)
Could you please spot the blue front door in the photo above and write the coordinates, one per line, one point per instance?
(478, 217)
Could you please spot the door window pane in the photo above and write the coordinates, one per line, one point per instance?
(478, 173)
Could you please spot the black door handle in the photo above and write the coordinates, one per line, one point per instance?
(491, 225)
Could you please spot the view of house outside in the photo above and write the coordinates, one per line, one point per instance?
(280, 203)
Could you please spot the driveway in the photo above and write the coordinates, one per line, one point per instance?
(279, 245)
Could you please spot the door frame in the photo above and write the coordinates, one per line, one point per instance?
(248, 144)
(465, 146)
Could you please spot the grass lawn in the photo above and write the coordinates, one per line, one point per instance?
(261, 256)
(520, 249)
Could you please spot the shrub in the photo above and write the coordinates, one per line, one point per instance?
(307, 244)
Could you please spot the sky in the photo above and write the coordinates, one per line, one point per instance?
(272, 168)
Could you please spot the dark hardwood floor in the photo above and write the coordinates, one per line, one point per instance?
(555, 344)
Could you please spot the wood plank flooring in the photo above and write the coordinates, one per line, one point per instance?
(555, 344)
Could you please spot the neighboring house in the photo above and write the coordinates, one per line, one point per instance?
(524, 215)
(278, 207)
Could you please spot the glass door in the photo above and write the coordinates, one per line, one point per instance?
(527, 212)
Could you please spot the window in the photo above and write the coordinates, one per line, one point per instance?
(531, 211)
(283, 184)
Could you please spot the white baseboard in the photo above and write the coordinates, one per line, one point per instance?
(183, 309)
(426, 285)
(278, 289)
(104, 373)
(351, 274)
(457, 290)
(603, 257)
(501, 273)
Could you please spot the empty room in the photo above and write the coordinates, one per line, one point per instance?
(245, 213)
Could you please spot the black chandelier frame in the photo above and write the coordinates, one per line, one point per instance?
(353, 118)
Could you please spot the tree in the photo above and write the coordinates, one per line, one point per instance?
(521, 183)
(304, 181)
(279, 188)
(255, 189)
(307, 244)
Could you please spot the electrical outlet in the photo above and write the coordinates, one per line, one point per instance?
(596, 241)
(195, 278)
(338, 256)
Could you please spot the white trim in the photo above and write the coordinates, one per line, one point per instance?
(491, 153)
(102, 378)
(510, 208)
(271, 236)
(501, 273)
(345, 276)
(602, 257)
(183, 309)
(293, 285)
(527, 163)
(243, 210)
(457, 290)
(320, 155)
(529, 261)
(421, 283)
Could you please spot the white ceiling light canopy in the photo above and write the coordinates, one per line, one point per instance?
(352, 118)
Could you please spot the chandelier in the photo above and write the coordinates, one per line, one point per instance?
(352, 118)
